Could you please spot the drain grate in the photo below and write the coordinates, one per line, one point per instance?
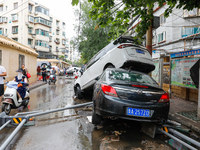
(190, 114)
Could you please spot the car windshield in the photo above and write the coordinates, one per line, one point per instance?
(131, 77)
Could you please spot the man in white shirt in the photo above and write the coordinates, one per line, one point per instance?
(2, 73)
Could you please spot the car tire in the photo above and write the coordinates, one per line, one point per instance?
(96, 119)
(78, 92)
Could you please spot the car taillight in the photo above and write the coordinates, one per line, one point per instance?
(108, 90)
(124, 46)
(141, 86)
(164, 98)
(53, 78)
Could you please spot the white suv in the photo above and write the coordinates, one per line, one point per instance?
(121, 53)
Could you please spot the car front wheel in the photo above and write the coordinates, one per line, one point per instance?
(78, 92)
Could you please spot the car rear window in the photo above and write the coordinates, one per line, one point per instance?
(131, 77)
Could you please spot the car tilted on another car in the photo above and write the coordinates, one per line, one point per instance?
(121, 53)
(131, 95)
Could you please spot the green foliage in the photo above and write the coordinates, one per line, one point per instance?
(118, 14)
(92, 38)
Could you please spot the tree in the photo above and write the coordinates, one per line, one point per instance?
(89, 40)
(102, 11)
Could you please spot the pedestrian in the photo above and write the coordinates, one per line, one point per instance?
(25, 70)
(64, 71)
(44, 73)
(2, 74)
(38, 72)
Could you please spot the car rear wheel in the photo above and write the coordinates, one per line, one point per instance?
(96, 119)
(78, 92)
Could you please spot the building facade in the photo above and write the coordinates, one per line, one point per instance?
(14, 54)
(31, 24)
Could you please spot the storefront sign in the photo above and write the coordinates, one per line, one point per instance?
(180, 72)
(186, 53)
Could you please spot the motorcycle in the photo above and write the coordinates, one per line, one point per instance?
(11, 99)
(52, 78)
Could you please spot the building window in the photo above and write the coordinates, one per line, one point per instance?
(14, 17)
(5, 19)
(192, 13)
(14, 29)
(1, 8)
(21, 60)
(63, 25)
(0, 57)
(57, 49)
(42, 21)
(186, 31)
(42, 10)
(1, 20)
(1, 31)
(63, 42)
(162, 19)
(42, 32)
(30, 30)
(57, 22)
(16, 5)
(50, 39)
(50, 48)
(57, 31)
(63, 34)
(42, 43)
(30, 7)
(30, 41)
(31, 19)
(161, 37)
(50, 30)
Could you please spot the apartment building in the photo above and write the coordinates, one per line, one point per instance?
(178, 32)
(31, 24)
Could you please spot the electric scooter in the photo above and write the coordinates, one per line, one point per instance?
(52, 78)
(11, 99)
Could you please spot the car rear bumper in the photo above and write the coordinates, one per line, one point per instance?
(110, 106)
(139, 66)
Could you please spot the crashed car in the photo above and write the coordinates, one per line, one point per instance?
(129, 95)
(121, 53)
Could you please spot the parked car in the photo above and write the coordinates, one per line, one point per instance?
(131, 95)
(121, 53)
(70, 71)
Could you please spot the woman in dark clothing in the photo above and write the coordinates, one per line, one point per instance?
(21, 90)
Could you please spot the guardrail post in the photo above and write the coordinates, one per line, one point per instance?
(2, 119)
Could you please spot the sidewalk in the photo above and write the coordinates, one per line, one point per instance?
(184, 112)
(36, 84)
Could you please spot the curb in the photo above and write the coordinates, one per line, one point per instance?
(36, 86)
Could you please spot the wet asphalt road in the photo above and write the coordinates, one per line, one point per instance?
(72, 129)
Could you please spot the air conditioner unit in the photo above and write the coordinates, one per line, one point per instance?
(36, 13)
(33, 35)
(35, 47)
(5, 35)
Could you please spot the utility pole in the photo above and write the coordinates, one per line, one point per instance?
(149, 38)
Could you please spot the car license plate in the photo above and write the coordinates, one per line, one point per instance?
(138, 112)
(140, 51)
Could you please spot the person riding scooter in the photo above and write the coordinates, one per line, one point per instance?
(21, 79)
(16, 94)
(52, 77)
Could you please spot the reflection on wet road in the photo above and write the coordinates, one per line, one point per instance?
(72, 129)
